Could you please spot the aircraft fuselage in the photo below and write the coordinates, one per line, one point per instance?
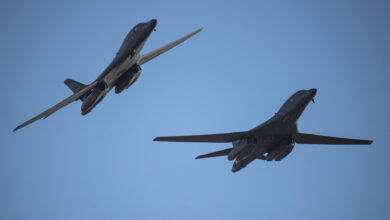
(272, 140)
(124, 69)
(122, 72)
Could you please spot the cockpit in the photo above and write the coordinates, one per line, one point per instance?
(299, 99)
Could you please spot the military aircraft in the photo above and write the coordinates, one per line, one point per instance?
(272, 140)
(123, 71)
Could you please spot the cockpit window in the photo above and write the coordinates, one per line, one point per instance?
(137, 27)
(299, 92)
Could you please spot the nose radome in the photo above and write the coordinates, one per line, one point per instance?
(313, 91)
(153, 22)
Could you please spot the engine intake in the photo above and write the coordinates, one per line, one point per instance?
(281, 150)
(102, 86)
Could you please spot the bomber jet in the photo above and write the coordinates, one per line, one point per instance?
(122, 72)
(273, 140)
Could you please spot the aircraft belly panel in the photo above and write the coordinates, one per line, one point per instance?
(119, 70)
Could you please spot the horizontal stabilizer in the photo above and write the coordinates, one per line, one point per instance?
(303, 138)
(145, 58)
(213, 138)
(215, 154)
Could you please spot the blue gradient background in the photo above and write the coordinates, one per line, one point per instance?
(250, 57)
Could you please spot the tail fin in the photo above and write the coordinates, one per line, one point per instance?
(74, 85)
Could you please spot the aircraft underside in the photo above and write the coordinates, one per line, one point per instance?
(127, 79)
(264, 151)
(121, 73)
(95, 96)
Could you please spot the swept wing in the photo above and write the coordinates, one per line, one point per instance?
(55, 108)
(304, 138)
(145, 58)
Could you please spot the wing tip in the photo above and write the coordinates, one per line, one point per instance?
(18, 127)
(67, 81)
(195, 32)
(365, 142)
(201, 156)
(157, 139)
(168, 139)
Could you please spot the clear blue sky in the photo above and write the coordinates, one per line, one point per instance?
(250, 57)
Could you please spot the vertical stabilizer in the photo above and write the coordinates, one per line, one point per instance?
(74, 85)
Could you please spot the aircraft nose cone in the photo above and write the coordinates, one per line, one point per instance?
(313, 92)
(153, 22)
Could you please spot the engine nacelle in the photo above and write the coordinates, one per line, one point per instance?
(127, 79)
(281, 151)
(285, 152)
(93, 98)
(242, 147)
(102, 86)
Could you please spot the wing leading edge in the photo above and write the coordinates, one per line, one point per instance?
(304, 138)
(213, 138)
(55, 108)
(147, 57)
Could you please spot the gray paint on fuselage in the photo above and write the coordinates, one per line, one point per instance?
(127, 56)
(129, 52)
(122, 72)
(278, 129)
(273, 136)
(272, 140)
(284, 122)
